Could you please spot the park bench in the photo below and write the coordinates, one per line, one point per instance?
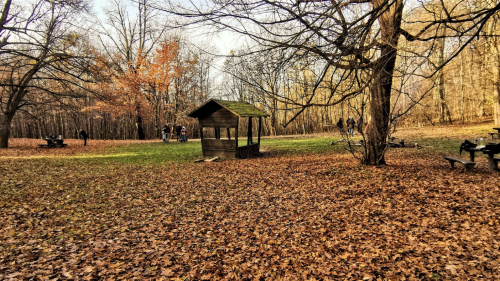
(497, 134)
(394, 144)
(493, 135)
(53, 142)
(468, 165)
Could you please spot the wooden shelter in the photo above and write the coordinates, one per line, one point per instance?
(219, 114)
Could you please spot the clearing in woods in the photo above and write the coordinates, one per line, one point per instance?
(304, 210)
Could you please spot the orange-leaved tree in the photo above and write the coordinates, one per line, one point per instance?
(146, 88)
(167, 82)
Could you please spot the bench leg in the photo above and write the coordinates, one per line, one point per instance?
(452, 163)
(471, 156)
(492, 164)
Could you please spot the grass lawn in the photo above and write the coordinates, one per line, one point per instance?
(176, 152)
(304, 210)
(157, 152)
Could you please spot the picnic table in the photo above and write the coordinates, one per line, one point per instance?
(53, 142)
(490, 150)
(495, 134)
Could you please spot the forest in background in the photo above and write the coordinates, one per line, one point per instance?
(138, 75)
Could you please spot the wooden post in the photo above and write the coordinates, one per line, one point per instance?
(236, 132)
(217, 133)
(249, 134)
(228, 134)
(201, 132)
(258, 134)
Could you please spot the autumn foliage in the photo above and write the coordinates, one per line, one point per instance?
(149, 87)
(125, 87)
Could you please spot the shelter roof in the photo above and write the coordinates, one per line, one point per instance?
(241, 109)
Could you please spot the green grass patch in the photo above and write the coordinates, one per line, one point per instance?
(446, 146)
(302, 145)
(148, 153)
(440, 145)
(176, 152)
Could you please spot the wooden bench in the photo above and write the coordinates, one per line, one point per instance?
(494, 134)
(468, 165)
(53, 143)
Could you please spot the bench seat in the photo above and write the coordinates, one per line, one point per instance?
(468, 165)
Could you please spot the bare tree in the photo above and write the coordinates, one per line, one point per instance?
(494, 45)
(358, 37)
(127, 35)
(42, 52)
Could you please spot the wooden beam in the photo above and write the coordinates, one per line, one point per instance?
(212, 144)
(249, 134)
(258, 134)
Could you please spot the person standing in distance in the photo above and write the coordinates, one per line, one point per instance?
(340, 125)
(350, 126)
(178, 130)
(85, 136)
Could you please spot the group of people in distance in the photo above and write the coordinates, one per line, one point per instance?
(350, 124)
(180, 132)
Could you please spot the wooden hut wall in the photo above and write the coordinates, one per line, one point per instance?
(247, 150)
(221, 148)
(221, 118)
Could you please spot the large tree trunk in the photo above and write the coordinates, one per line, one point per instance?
(10, 110)
(380, 95)
(5, 122)
(380, 88)
(140, 130)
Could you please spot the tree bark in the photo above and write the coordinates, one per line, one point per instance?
(140, 130)
(5, 130)
(11, 108)
(381, 86)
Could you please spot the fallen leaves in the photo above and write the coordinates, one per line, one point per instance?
(296, 217)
